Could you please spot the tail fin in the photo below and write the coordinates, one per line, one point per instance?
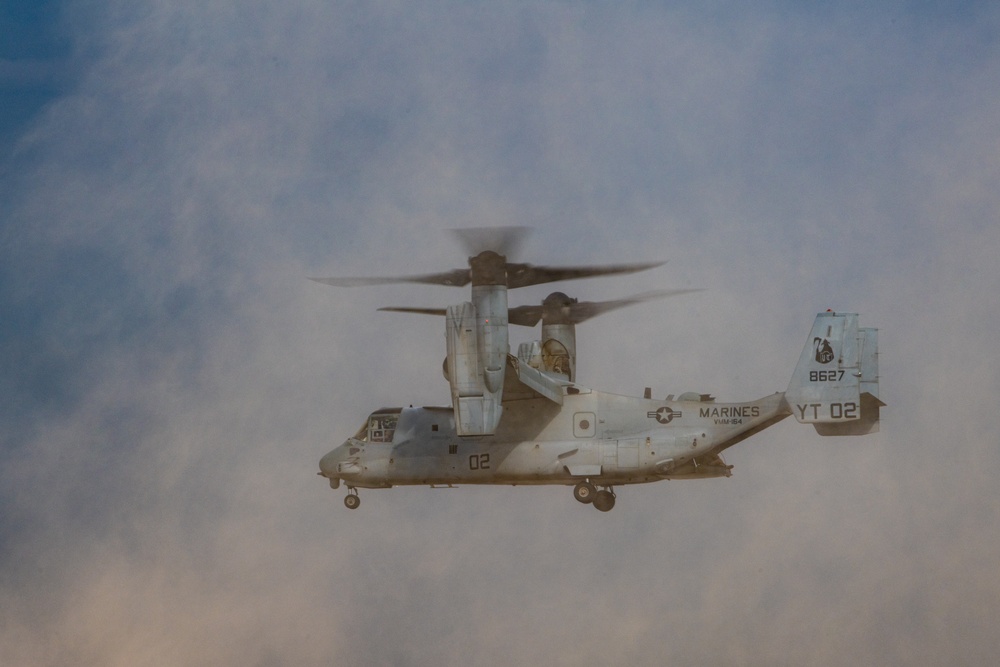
(835, 384)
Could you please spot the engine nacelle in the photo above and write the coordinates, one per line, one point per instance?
(476, 378)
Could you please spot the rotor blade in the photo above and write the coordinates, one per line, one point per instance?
(525, 316)
(422, 311)
(523, 275)
(560, 309)
(581, 312)
(456, 278)
(504, 241)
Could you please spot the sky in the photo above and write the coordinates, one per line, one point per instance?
(171, 173)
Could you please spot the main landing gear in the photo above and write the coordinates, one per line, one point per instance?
(587, 493)
(352, 500)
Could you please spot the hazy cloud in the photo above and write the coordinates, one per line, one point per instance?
(171, 378)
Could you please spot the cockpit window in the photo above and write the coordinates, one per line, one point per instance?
(382, 427)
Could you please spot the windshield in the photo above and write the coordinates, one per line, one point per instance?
(362, 433)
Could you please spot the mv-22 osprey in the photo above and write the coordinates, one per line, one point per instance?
(517, 420)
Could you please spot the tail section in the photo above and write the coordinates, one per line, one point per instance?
(835, 384)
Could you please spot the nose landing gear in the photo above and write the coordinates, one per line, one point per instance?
(587, 493)
(352, 500)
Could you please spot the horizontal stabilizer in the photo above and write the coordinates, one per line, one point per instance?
(868, 423)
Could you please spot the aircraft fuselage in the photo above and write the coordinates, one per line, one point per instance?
(602, 438)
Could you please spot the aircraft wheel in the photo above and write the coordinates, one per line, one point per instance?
(585, 492)
(604, 500)
(352, 501)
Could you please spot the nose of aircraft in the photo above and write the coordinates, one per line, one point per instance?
(329, 467)
(328, 464)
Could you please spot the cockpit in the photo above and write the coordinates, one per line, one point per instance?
(380, 426)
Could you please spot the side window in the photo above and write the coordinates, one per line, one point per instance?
(381, 428)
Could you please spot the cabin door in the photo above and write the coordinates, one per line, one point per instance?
(628, 454)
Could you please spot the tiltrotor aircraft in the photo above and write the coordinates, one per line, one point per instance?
(524, 420)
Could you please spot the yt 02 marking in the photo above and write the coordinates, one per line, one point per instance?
(847, 410)
(826, 376)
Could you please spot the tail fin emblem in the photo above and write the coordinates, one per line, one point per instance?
(824, 352)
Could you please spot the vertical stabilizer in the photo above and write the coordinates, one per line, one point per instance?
(835, 384)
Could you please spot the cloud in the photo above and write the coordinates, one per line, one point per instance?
(172, 379)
